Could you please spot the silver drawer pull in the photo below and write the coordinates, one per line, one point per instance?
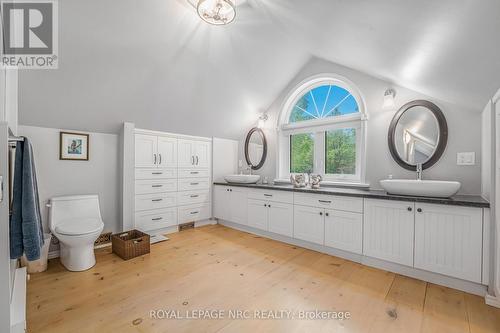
(194, 172)
(194, 183)
(192, 213)
(156, 185)
(325, 201)
(268, 195)
(157, 200)
(157, 173)
(194, 196)
(157, 219)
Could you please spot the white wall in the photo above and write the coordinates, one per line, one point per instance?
(99, 175)
(464, 130)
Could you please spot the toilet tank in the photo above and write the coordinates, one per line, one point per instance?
(73, 208)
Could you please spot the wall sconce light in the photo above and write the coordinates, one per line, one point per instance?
(262, 120)
(389, 96)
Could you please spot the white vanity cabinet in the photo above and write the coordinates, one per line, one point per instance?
(258, 216)
(230, 204)
(335, 221)
(389, 230)
(271, 211)
(344, 230)
(448, 240)
(194, 154)
(309, 224)
(431, 241)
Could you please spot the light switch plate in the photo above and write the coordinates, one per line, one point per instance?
(468, 158)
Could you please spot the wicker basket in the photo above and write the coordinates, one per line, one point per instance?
(130, 244)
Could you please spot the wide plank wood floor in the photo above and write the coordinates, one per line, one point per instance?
(217, 268)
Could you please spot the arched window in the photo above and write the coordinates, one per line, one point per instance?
(322, 130)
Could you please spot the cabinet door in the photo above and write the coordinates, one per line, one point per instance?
(221, 202)
(145, 151)
(344, 230)
(309, 224)
(448, 240)
(257, 214)
(238, 205)
(281, 218)
(201, 154)
(185, 153)
(388, 230)
(167, 152)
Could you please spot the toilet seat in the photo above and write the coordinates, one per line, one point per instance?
(78, 227)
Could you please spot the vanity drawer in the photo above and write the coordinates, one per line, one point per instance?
(192, 184)
(155, 173)
(155, 186)
(190, 173)
(155, 201)
(276, 196)
(194, 213)
(156, 219)
(193, 197)
(348, 204)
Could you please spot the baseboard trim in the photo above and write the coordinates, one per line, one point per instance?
(492, 300)
(450, 282)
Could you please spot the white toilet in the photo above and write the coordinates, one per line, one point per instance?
(76, 221)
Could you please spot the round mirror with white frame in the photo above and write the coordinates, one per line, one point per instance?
(418, 134)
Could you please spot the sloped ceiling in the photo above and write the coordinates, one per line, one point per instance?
(156, 64)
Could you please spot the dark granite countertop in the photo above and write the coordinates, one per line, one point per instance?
(457, 200)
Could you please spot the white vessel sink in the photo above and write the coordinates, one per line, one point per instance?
(421, 188)
(242, 179)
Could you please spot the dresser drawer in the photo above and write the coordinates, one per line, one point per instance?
(194, 213)
(154, 173)
(276, 196)
(155, 186)
(193, 197)
(192, 184)
(156, 219)
(348, 204)
(155, 201)
(190, 173)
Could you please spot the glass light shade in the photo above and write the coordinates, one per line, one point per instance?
(216, 12)
(389, 98)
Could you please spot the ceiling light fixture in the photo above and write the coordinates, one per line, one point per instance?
(389, 96)
(217, 12)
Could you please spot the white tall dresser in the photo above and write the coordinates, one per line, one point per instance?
(172, 180)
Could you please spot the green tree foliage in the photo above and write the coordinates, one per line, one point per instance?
(341, 151)
(301, 153)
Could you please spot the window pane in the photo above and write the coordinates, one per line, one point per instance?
(323, 102)
(340, 152)
(301, 153)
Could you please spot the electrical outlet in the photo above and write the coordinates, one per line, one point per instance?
(468, 158)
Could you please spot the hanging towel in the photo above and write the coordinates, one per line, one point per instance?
(26, 233)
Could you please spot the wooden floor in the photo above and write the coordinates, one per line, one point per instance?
(217, 268)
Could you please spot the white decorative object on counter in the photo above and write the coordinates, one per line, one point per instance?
(315, 180)
(298, 180)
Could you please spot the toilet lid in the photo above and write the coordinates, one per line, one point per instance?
(79, 227)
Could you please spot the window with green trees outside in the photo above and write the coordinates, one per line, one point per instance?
(325, 118)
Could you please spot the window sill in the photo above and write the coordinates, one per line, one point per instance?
(331, 183)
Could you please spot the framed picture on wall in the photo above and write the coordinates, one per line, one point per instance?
(73, 146)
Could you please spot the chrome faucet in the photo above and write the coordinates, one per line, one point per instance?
(419, 171)
(249, 169)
